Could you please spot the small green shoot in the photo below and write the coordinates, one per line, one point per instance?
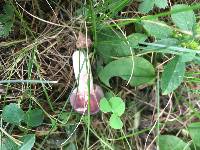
(116, 107)
(115, 122)
(105, 106)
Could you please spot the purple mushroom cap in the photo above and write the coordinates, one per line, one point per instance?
(79, 101)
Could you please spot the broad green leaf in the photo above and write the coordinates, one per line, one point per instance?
(105, 106)
(161, 3)
(173, 75)
(185, 20)
(197, 60)
(157, 28)
(117, 105)
(194, 130)
(115, 122)
(168, 41)
(6, 20)
(165, 42)
(34, 118)
(112, 43)
(143, 71)
(169, 142)
(146, 6)
(7, 144)
(70, 146)
(8, 10)
(187, 57)
(168, 49)
(28, 142)
(13, 114)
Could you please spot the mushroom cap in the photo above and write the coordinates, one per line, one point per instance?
(79, 100)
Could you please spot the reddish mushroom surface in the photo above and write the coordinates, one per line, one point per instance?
(79, 101)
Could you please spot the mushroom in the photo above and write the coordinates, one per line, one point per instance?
(80, 95)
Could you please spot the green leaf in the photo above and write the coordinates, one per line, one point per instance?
(28, 142)
(70, 146)
(146, 5)
(169, 142)
(105, 106)
(115, 122)
(194, 130)
(185, 20)
(7, 144)
(5, 28)
(187, 57)
(8, 10)
(168, 41)
(143, 71)
(173, 75)
(117, 5)
(13, 114)
(34, 118)
(165, 42)
(136, 38)
(157, 28)
(6, 20)
(117, 105)
(109, 95)
(162, 46)
(161, 3)
(112, 43)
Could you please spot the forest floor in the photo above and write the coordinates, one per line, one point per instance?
(37, 40)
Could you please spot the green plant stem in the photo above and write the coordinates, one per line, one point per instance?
(126, 140)
(124, 22)
(88, 106)
(94, 28)
(28, 81)
(158, 106)
(107, 144)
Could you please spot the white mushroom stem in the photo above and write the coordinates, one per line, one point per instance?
(82, 71)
